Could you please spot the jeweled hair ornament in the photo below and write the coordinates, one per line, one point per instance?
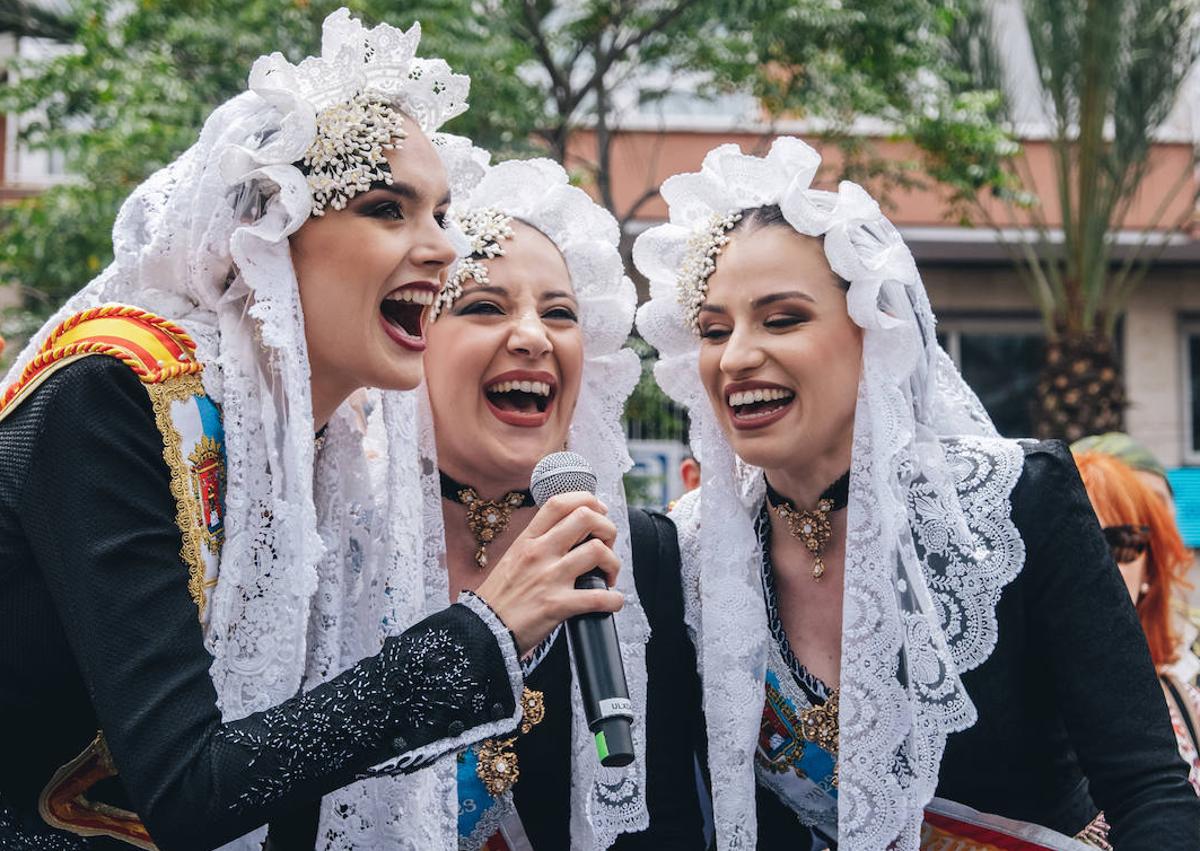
(538, 192)
(921, 438)
(204, 241)
(358, 93)
(349, 153)
(485, 229)
(701, 261)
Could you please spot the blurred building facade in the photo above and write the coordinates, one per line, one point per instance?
(988, 320)
(22, 172)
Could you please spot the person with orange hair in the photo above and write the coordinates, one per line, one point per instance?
(1153, 562)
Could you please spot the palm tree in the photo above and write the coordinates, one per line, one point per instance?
(1110, 72)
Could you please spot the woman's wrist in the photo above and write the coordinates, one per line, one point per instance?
(506, 639)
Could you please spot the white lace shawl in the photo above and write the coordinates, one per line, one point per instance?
(930, 543)
(605, 802)
(317, 566)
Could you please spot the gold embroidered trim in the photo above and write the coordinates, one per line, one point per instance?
(64, 804)
(191, 528)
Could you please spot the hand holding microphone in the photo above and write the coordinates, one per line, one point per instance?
(532, 587)
(561, 568)
(594, 645)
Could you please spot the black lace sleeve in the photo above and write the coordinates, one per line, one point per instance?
(98, 514)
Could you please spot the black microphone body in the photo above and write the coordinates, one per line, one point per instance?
(595, 648)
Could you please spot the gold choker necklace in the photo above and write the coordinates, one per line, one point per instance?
(486, 518)
(813, 528)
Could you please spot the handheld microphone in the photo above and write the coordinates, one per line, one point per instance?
(593, 636)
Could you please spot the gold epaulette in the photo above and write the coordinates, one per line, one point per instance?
(156, 349)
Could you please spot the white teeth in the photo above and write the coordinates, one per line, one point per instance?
(541, 388)
(749, 397)
(416, 296)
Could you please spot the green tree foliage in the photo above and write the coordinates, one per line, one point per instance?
(127, 97)
(543, 69)
(139, 78)
(840, 61)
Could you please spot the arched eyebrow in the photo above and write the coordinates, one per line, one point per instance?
(570, 296)
(771, 298)
(485, 288)
(407, 191)
(761, 302)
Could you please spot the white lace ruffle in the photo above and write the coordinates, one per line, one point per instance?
(930, 542)
(317, 566)
(605, 802)
(355, 59)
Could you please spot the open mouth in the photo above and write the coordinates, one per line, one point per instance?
(524, 400)
(403, 312)
(759, 406)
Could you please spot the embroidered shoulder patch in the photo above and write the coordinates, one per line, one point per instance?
(163, 356)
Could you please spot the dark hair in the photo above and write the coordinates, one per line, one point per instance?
(770, 215)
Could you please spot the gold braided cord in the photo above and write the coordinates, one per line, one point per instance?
(51, 354)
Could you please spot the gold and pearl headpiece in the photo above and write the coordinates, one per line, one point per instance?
(700, 261)
(356, 94)
(486, 228)
(348, 156)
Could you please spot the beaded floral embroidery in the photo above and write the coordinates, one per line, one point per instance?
(486, 228)
(347, 156)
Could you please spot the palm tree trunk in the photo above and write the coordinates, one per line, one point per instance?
(1080, 390)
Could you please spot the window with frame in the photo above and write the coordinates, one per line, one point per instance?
(1190, 336)
(1000, 358)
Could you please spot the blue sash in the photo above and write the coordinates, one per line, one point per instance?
(800, 772)
(486, 820)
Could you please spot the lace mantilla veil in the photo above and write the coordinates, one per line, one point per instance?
(317, 567)
(930, 487)
(605, 802)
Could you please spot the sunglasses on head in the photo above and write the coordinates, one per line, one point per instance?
(1127, 542)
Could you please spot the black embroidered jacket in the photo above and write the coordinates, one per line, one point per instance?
(98, 632)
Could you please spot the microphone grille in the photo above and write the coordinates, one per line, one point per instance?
(561, 472)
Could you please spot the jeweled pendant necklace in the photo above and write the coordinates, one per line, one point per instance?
(813, 528)
(486, 518)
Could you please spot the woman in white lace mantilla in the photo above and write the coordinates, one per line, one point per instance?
(212, 618)
(890, 603)
(526, 357)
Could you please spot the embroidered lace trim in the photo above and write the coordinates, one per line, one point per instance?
(605, 802)
(928, 472)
